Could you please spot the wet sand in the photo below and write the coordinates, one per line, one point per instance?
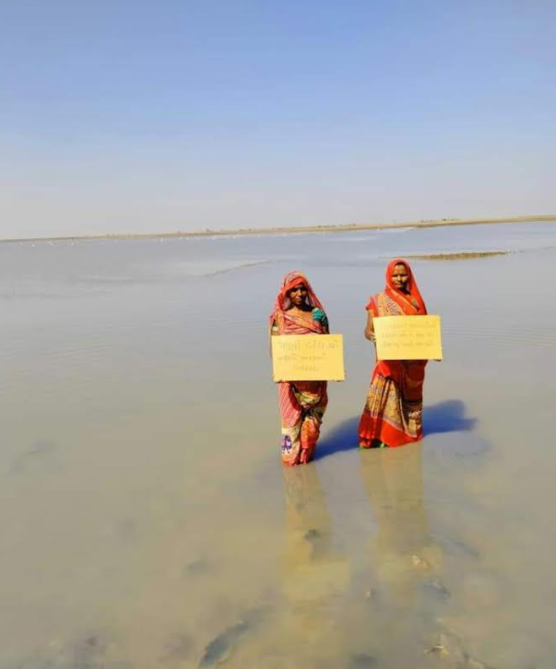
(147, 522)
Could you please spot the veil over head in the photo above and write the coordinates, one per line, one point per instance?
(283, 302)
(397, 294)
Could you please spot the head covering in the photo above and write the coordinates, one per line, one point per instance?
(283, 302)
(398, 295)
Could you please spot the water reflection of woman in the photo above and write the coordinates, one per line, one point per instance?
(298, 311)
(394, 406)
(315, 575)
(402, 543)
(406, 562)
(307, 522)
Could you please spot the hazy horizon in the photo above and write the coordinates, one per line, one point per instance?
(136, 117)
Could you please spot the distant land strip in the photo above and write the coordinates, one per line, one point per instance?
(463, 255)
(349, 227)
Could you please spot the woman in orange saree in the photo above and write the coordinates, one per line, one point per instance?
(298, 311)
(393, 411)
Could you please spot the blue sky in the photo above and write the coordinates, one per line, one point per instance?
(135, 116)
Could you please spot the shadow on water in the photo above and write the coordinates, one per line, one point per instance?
(448, 416)
(441, 418)
(343, 437)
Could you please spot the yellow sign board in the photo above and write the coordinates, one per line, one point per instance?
(408, 337)
(308, 357)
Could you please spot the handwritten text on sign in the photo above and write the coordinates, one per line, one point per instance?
(408, 337)
(308, 358)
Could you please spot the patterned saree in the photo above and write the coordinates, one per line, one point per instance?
(393, 411)
(302, 403)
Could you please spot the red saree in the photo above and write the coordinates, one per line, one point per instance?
(394, 407)
(302, 403)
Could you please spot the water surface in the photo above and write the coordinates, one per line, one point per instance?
(147, 522)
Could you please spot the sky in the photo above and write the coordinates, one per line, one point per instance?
(135, 116)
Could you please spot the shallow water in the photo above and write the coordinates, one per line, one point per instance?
(147, 522)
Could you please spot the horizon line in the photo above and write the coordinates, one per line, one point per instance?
(345, 227)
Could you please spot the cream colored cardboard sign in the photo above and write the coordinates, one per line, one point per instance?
(408, 337)
(308, 357)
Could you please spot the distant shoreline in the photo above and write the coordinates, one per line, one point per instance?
(439, 223)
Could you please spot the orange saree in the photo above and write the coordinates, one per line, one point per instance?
(392, 415)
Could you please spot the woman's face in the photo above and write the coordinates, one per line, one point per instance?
(400, 277)
(298, 295)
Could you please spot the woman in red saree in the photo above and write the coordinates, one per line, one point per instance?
(393, 411)
(298, 311)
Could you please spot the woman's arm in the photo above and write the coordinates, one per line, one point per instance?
(276, 325)
(369, 328)
(274, 331)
